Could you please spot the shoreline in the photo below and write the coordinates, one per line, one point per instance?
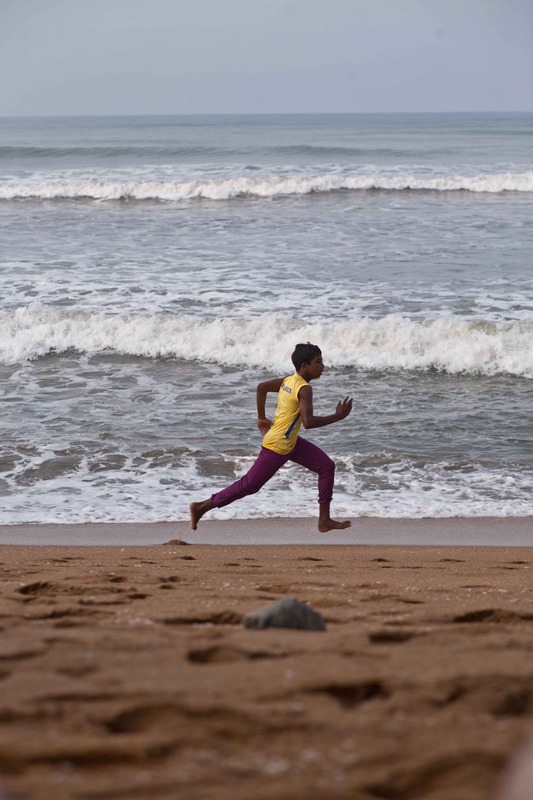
(426, 531)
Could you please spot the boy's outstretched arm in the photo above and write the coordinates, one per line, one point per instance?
(310, 420)
(263, 389)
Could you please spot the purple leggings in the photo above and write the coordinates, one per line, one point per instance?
(267, 464)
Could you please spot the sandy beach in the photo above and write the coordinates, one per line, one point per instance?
(126, 671)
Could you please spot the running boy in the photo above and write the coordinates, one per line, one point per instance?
(281, 442)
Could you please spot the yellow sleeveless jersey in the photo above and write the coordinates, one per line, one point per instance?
(281, 438)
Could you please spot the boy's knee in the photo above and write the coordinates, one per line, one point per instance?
(329, 466)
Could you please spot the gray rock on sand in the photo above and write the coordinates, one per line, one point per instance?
(286, 613)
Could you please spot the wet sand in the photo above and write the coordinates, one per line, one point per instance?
(451, 531)
(126, 672)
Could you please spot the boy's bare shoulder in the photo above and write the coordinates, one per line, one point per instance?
(272, 385)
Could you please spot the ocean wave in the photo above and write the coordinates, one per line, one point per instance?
(258, 187)
(109, 151)
(344, 151)
(160, 151)
(394, 342)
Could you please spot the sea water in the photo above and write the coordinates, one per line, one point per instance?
(155, 269)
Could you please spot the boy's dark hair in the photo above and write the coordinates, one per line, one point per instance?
(304, 353)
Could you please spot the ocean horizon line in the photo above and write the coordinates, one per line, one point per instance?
(240, 114)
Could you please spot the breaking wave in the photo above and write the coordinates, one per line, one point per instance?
(257, 187)
(394, 342)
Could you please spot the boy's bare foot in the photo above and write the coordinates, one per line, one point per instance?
(333, 525)
(325, 523)
(197, 510)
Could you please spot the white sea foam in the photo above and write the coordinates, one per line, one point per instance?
(449, 344)
(266, 186)
(163, 493)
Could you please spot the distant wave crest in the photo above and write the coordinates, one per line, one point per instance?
(104, 151)
(257, 187)
(394, 342)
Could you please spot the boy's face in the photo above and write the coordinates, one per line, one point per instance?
(313, 369)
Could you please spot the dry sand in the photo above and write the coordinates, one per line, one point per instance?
(126, 672)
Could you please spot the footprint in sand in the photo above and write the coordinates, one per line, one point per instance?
(221, 654)
(386, 636)
(169, 582)
(349, 695)
(37, 588)
(492, 615)
(215, 618)
(141, 719)
(75, 670)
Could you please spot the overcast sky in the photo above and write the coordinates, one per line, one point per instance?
(253, 56)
